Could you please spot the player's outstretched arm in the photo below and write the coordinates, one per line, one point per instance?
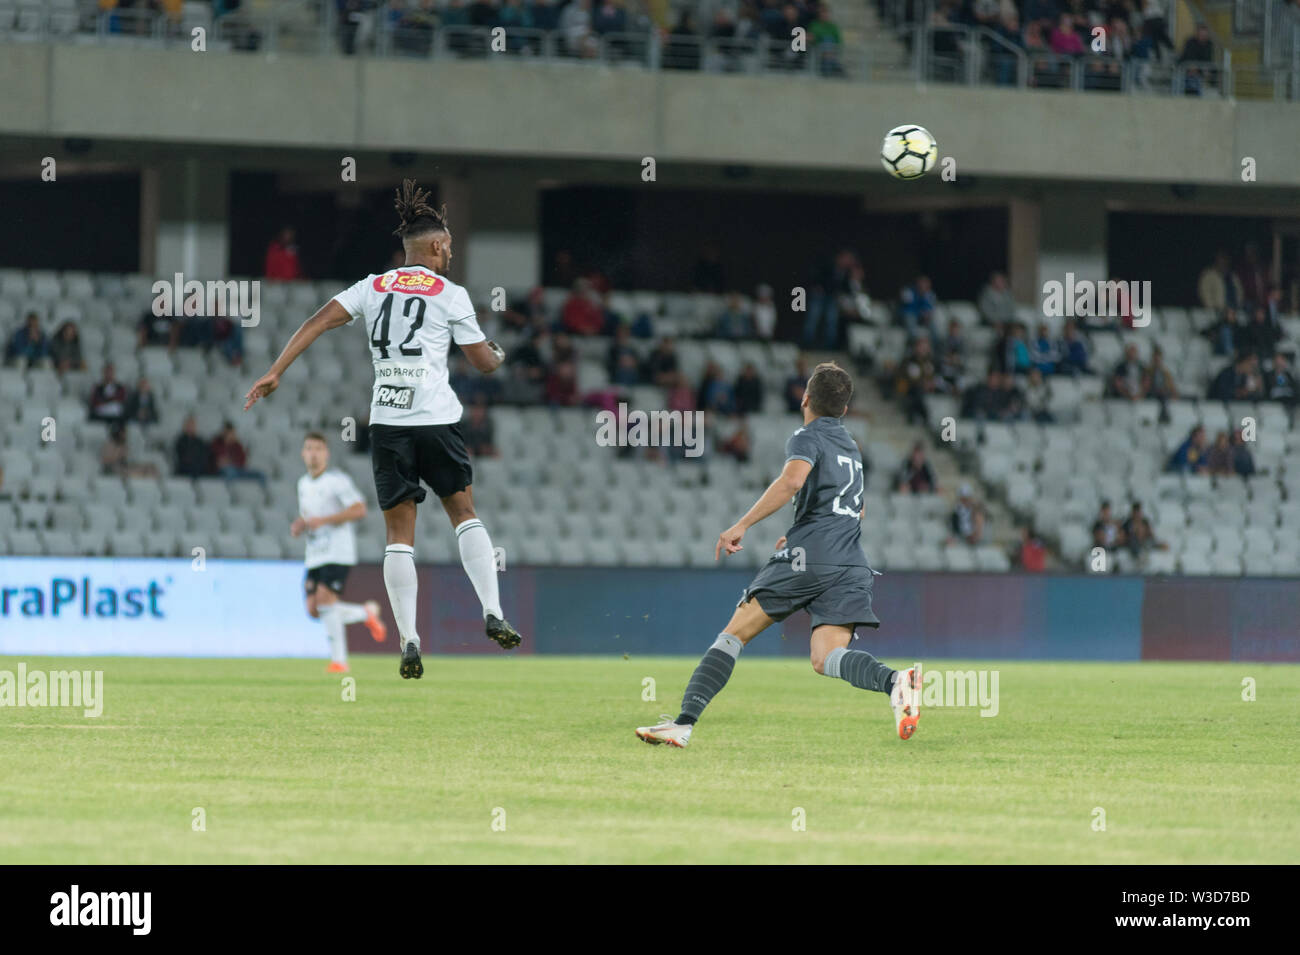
(776, 496)
(330, 315)
(485, 356)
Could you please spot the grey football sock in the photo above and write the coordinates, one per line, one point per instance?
(710, 676)
(859, 668)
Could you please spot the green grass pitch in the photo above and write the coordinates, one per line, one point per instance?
(285, 770)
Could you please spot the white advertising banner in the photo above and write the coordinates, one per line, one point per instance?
(70, 606)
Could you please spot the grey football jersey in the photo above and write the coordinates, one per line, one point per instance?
(826, 523)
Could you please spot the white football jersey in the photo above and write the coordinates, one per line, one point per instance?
(322, 496)
(411, 316)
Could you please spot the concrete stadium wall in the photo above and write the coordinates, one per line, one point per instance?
(559, 110)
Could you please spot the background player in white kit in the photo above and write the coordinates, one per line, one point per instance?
(328, 506)
(411, 315)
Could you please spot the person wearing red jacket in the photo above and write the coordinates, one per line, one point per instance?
(282, 256)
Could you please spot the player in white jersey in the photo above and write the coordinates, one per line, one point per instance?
(328, 506)
(411, 316)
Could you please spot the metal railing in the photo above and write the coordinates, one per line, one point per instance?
(965, 55)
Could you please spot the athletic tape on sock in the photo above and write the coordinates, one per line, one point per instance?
(728, 644)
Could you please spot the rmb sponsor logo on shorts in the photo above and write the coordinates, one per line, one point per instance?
(415, 283)
(77, 908)
(651, 429)
(394, 396)
(53, 688)
(961, 688)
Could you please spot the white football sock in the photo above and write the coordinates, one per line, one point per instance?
(480, 563)
(402, 582)
(350, 613)
(334, 629)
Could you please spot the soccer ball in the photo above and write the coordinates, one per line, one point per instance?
(908, 152)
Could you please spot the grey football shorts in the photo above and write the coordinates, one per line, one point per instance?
(830, 593)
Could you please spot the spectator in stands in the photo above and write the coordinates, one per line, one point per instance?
(917, 377)
(795, 385)
(414, 29)
(1129, 379)
(1106, 531)
(29, 343)
(609, 17)
(65, 349)
(682, 48)
(1261, 336)
(1138, 536)
(748, 391)
(1198, 49)
(229, 459)
(158, 330)
(582, 313)
(1218, 287)
(193, 457)
(967, 519)
(715, 393)
(764, 313)
(1242, 460)
(915, 476)
(1160, 382)
(562, 384)
(738, 443)
(1033, 552)
(527, 366)
(733, 322)
(678, 395)
(112, 454)
(622, 363)
(854, 302)
(141, 409)
(1249, 383)
(822, 324)
(981, 400)
(1064, 40)
(1282, 384)
(661, 366)
(1004, 61)
(114, 457)
(1190, 456)
(108, 397)
(1041, 12)
(1038, 398)
(1218, 460)
(825, 39)
(952, 356)
(1072, 351)
(916, 306)
(576, 26)
(1018, 360)
(282, 256)
(1155, 28)
(1253, 277)
(1223, 333)
(480, 433)
(995, 399)
(1043, 350)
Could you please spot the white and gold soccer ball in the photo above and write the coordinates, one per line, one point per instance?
(908, 152)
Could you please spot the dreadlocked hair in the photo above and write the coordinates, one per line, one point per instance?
(416, 215)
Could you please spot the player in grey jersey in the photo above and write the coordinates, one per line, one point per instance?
(818, 566)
